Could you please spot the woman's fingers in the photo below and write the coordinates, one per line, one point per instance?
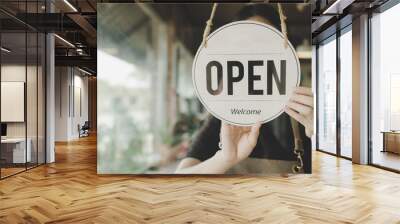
(232, 132)
(303, 91)
(224, 127)
(303, 95)
(252, 135)
(298, 117)
(226, 131)
(303, 99)
(255, 130)
(302, 109)
(229, 128)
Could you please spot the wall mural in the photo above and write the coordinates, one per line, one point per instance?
(204, 88)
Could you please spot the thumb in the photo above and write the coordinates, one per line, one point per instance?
(254, 132)
(225, 129)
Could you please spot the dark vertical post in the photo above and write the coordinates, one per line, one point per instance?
(26, 86)
(45, 91)
(37, 88)
(369, 90)
(316, 97)
(73, 91)
(338, 73)
(0, 94)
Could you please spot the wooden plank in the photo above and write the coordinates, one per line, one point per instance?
(70, 191)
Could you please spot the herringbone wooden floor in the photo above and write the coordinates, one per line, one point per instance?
(70, 191)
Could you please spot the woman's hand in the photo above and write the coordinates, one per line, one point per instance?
(301, 108)
(237, 142)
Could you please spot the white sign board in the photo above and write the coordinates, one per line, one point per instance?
(245, 74)
(12, 101)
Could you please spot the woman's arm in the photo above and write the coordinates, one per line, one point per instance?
(237, 144)
(213, 165)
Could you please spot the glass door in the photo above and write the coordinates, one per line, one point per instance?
(22, 78)
(14, 153)
(326, 100)
(385, 89)
(334, 99)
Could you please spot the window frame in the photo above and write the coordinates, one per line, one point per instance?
(337, 34)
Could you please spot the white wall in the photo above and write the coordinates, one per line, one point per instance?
(79, 117)
(62, 81)
(70, 83)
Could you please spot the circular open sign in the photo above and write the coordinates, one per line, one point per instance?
(245, 74)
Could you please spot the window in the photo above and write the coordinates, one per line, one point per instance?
(346, 92)
(385, 89)
(327, 96)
